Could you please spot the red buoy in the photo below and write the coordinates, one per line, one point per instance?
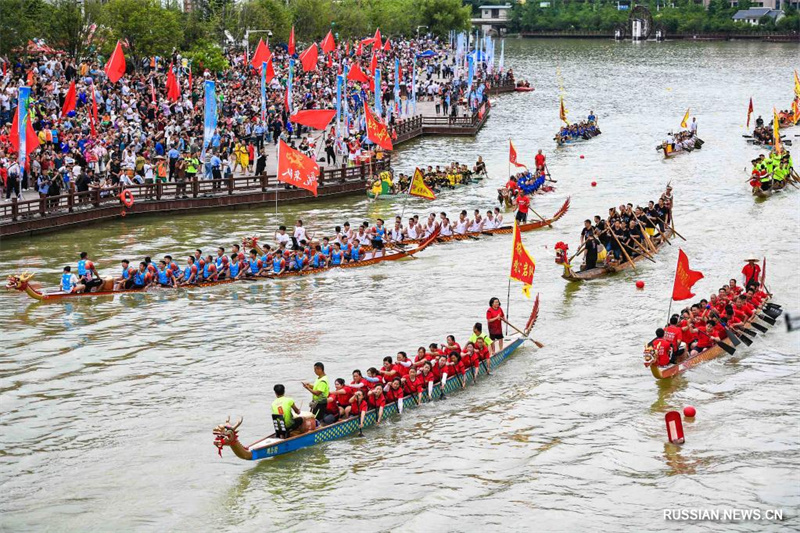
(581, 156)
(689, 411)
(640, 284)
(594, 184)
(674, 427)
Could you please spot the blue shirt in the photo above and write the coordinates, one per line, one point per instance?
(216, 162)
(174, 154)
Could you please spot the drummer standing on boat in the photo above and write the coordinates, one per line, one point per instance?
(319, 391)
(751, 271)
(523, 203)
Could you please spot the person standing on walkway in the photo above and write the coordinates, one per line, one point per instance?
(13, 180)
(330, 153)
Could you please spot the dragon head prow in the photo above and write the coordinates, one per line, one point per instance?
(18, 281)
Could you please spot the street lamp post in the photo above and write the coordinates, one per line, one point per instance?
(418, 27)
(247, 38)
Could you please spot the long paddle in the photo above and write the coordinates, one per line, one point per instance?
(540, 216)
(768, 320)
(623, 250)
(515, 328)
(642, 249)
(645, 234)
(759, 327)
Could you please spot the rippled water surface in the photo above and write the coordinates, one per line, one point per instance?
(108, 403)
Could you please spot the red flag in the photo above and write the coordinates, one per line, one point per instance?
(152, 92)
(297, 169)
(31, 139)
(522, 264)
(685, 278)
(387, 47)
(309, 58)
(330, 60)
(347, 48)
(291, 43)
(356, 74)
(377, 39)
(190, 79)
(287, 99)
(328, 44)
(93, 122)
(314, 118)
(69, 100)
(115, 67)
(512, 156)
(377, 131)
(373, 63)
(262, 55)
(173, 91)
(270, 71)
(749, 111)
(359, 51)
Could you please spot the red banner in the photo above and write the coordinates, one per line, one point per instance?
(314, 118)
(522, 264)
(356, 74)
(261, 55)
(69, 100)
(291, 46)
(328, 44)
(377, 131)
(685, 278)
(297, 169)
(749, 112)
(309, 58)
(173, 91)
(512, 155)
(115, 68)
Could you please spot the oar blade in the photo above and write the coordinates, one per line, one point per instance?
(768, 320)
(727, 347)
(759, 327)
(747, 340)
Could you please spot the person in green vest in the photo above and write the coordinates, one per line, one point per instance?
(192, 164)
(284, 406)
(319, 391)
(477, 333)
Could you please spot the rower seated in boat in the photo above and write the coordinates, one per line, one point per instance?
(319, 391)
(70, 282)
(285, 407)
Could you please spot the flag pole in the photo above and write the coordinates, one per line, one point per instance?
(669, 309)
(508, 303)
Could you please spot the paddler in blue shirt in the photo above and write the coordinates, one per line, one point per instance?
(141, 277)
(336, 255)
(125, 281)
(591, 117)
(87, 275)
(190, 272)
(235, 267)
(254, 265)
(69, 281)
(164, 275)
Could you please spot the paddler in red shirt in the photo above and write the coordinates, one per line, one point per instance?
(451, 344)
(428, 378)
(494, 319)
(413, 384)
(539, 160)
(339, 399)
(662, 348)
(523, 203)
(751, 271)
(358, 407)
(457, 366)
(674, 335)
(481, 354)
(376, 400)
(394, 393)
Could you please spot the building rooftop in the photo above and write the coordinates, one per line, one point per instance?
(756, 13)
(505, 6)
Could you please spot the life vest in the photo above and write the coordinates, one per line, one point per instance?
(380, 233)
(316, 261)
(355, 252)
(82, 267)
(234, 269)
(255, 266)
(326, 250)
(139, 277)
(66, 282)
(125, 273)
(336, 258)
(187, 272)
(163, 276)
(276, 264)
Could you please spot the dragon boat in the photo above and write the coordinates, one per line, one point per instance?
(22, 282)
(383, 187)
(272, 446)
(687, 361)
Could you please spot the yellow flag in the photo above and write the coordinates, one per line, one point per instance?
(562, 112)
(796, 85)
(418, 187)
(685, 121)
(776, 133)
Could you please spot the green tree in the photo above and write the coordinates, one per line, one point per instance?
(20, 20)
(149, 28)
(442, 16)
(312, 18)
(208, 55)
(69, 23)
(265, 15)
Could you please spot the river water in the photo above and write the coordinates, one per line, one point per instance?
(108, 404)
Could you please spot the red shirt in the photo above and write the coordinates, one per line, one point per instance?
(429, 378)
(377, 402)
(662, 351)
(413, 387)
(393, 395)
(496, 327)
(466, 359)
(401, 370)
(751, 272)
(481, 355)
(522, 203)
(539, 159)
(344, 399)
(512, 185)
(358, 407)
(674, 335)
(454, 348)
(704, 340)
(719, 332)
(687, 335)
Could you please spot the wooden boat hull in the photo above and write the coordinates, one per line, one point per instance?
(523, 89)
(390, 256)
(759, 193)
(599, 272)
(267, 447)
(574, 141)
(688, 362)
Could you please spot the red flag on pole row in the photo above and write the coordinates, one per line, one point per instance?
(291, 46)
(261, 55)
(387, 47)
(749, 112)
(356, 74)
(522, 264)
(377, 131)
(512, 155)
(685, 278)
(309, 58)
(296, 169)
(31, 138)
(314, 118)
(115, 68)
(69, 100)
(376, 41)
(173, 91)
(328, 44)
(270, 71)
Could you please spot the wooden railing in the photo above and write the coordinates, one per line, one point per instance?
(95, 198)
